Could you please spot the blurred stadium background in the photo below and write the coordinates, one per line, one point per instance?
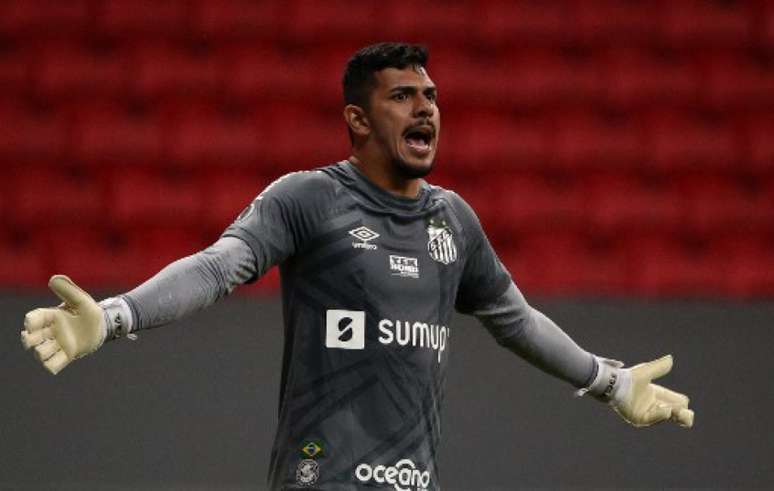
(614, 147)
(620, 154)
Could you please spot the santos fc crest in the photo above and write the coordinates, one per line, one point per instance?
(441, 242)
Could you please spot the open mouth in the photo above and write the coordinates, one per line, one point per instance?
(420, 138)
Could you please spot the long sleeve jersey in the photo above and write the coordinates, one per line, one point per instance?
(370, 282)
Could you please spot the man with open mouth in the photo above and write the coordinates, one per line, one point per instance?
(374, 261)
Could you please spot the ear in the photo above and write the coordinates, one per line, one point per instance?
(357, 120)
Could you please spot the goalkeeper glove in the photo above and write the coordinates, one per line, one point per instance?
(76, 328)
(632, 395)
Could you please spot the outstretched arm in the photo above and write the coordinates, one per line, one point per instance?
(533, 336)
(79, 326)
(488, 292)
(530, 334)
(185, 286)
(264, 234)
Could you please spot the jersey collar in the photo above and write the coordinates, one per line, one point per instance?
(380, 198)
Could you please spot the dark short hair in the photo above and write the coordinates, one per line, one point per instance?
(359, 80)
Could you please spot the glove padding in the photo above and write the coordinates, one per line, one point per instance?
(65, 333)
(642, 403)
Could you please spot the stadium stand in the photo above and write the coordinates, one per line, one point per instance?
(610, 147)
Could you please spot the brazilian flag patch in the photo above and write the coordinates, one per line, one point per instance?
(312, 449)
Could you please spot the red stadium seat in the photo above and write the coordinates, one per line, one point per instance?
(519, 203)
(431, 20)
(122, 17)
(337, 20)
(524, 79)
(259, 74)
(535, 78)
(167, 70)
(721, 204)
(146, 197)
(72, 70)
(556, 262)
(732, 81)
(760, 144)
(23, 263)
(608, 146)
(46, 195)
(750, 264)
(488, 142)
(664, 266)
(766, 24)
(239, 18)
(708, 23)
(30, 134)
(502, 21)
(118, 258)
(7, 187)
(161, 244)
(478, 191)
(302, 139)
(638, 78)
(93, 257)
(227, 193)
(112, 133)
(616, 22)
(585, 140)
(459, 77)
(619, 204)
(209, 136)
(34, 17)
(14, 70)
(680, 142)
(328, 94)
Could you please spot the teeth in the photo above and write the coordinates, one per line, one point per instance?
(418, 143)
(419, 139)
(419, 136)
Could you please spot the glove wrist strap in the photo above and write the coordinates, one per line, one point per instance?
(608, 381)
(118, 318)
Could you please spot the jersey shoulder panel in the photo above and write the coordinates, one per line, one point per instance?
(301, 188)
(469, 222)
(301, 200)
(484, 278)
(278, 222)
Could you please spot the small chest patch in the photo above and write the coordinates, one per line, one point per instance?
(406, 267)
(440, 244)
(307, 472)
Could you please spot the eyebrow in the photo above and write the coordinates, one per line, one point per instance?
(412, 89)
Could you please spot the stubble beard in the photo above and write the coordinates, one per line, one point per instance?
(407, 171)
(403, 168)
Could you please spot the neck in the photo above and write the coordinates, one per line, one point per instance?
(380, 172)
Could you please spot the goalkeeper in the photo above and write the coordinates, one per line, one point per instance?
(374, 261)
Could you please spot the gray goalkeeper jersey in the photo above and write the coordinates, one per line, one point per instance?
(369, 281)
(369, 285)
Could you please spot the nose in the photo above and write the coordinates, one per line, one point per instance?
(424, 107)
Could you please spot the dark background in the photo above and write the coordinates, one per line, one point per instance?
(193, 405)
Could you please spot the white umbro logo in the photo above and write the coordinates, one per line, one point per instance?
(365, 235)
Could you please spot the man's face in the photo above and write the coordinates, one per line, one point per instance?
(405, 119)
